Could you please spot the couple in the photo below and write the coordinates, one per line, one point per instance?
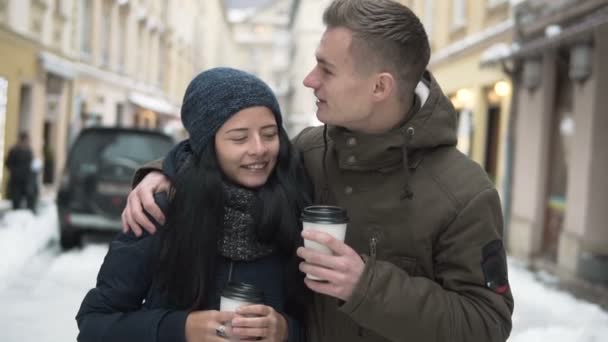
(423, 258)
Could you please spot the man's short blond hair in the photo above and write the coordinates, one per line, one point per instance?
(387, 37)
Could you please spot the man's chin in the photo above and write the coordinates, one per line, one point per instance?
(322, 117)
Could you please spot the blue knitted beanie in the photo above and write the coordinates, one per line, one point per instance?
(215, 95)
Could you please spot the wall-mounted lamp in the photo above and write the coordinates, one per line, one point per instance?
(465, 97)
(532, 73)
(502, 88)
(580, 62)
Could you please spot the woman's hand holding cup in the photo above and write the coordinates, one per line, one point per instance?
(203, 325)
(259, 322)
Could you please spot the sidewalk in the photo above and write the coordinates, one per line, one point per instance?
(5, 205)
(47, 193)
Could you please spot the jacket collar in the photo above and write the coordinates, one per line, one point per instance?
(431, 122)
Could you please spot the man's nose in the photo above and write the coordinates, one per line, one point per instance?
(311, 81)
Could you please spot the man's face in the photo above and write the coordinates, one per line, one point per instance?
(344, 94)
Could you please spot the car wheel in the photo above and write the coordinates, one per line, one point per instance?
(69, 239)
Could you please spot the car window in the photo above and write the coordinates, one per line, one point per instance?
(128, 149)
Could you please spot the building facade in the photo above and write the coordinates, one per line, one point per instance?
(264, 44)
(306, 29)
(560, 190)
(73, 63)
(461, 32)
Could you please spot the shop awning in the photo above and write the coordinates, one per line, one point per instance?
(155, 104)
(57, 65)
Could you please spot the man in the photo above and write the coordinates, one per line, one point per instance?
(22, 184)
(423, 258)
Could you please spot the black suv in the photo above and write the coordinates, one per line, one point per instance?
(97, 178)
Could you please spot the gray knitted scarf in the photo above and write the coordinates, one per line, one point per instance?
(238, 240)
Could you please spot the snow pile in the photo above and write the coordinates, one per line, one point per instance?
(495, 52)
(23, 235)
(514, 3)
(52, 287)
(543, 313)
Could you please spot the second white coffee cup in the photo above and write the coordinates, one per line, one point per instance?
(236, 295)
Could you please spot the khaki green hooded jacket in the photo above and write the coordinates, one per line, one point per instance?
(428, 224)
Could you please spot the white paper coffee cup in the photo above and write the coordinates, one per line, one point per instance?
(236, 295)
(331, 220)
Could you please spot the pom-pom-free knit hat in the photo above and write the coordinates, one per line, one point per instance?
(213, 96)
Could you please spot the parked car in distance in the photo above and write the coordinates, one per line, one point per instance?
(97, 178)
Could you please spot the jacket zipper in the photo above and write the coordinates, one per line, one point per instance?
(373, 242)
(373, 245)
(230, 271)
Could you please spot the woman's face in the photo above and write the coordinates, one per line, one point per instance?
(247, 146)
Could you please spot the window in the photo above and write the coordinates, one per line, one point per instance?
(495, 3)
(3, 9)
(161, 61)
(121, 37)
(59, 20)
(86, 27)
(459, 12)
(428, 18)
(59, 7)
(105, 31)
(142, 50)
(38, 11)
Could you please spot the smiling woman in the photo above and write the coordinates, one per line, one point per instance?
(232, 216)
(247, 146)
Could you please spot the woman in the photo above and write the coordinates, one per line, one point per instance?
(233, 216)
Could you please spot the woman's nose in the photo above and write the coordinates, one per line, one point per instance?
(257, 146)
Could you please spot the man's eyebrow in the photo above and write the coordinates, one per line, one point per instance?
(325, 62)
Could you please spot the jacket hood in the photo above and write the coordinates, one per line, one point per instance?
(431, 123)
(435, 123)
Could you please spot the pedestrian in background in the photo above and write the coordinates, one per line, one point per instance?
(22, 183)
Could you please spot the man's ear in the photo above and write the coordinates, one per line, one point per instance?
(384, 86)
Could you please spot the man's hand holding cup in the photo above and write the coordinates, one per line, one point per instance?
(332, 267)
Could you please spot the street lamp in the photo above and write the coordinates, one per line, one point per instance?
(502, 88)
(580, 62)
(532, 73)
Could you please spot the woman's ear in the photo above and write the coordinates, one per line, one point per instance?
(384, 86)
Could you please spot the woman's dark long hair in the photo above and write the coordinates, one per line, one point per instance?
(188, 244)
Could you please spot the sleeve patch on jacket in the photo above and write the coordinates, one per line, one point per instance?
(494, 266)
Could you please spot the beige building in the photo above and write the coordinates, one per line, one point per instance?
(462, 33)
(560, 188)
(72, 63)
(264, 44)
(306, 29)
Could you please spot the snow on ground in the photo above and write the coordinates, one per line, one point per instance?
(23, 235)
(41, 289)
(543, 313)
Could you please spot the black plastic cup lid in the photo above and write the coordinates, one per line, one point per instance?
(243, 292)
(324, 214)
